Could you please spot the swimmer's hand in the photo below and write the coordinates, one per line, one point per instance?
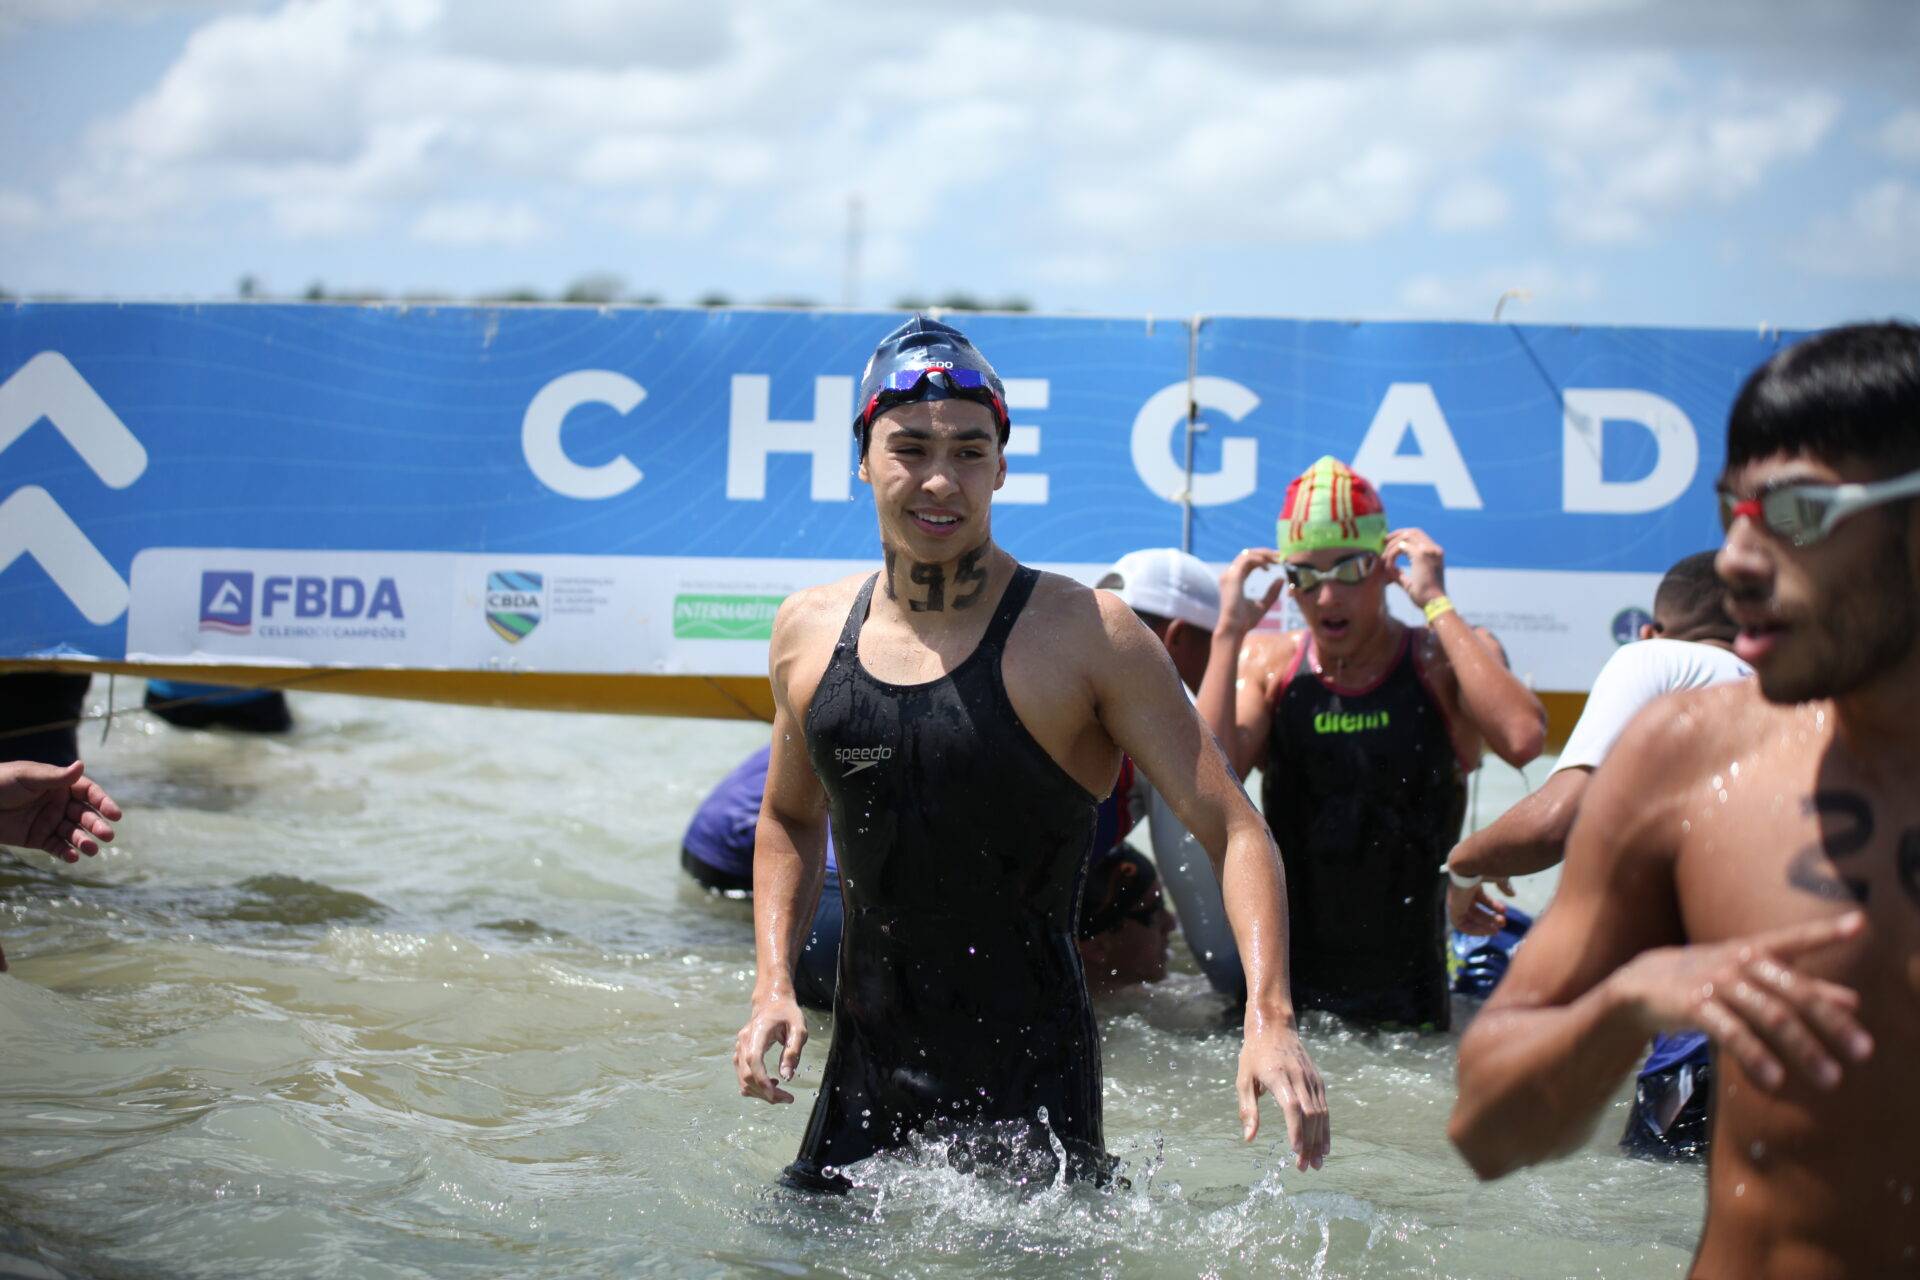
(1746, 995)
(59, 810)
(776, 1019)
(1240, 613)
(1477, 912)
(1272, 1060)
(1424, 579)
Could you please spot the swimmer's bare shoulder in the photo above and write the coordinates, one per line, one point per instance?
(804, 631)
(1066, 640)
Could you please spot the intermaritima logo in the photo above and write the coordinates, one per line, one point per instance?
(724, 617)
(513, 603)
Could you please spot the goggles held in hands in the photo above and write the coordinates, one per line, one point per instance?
(1803, 514)
(1348, 571)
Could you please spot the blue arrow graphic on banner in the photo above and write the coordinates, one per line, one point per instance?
(31, 522)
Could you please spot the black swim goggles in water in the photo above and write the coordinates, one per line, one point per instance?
(1805, 513)
(1348, 571)
(903, 386)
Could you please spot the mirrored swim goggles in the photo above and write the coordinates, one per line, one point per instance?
(904, 386)
(1803, 514)
(1348, 571)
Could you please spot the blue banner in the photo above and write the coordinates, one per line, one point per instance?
(286, 445)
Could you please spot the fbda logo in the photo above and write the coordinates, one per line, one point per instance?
(227, 600)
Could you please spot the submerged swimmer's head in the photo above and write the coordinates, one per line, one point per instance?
(1125, 927)
(1822, 552)
(1332, 531)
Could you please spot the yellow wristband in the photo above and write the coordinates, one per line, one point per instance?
(1437, 606)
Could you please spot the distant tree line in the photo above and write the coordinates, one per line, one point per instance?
(605, 288)
(599, 289)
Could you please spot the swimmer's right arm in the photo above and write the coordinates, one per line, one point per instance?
(1231, 699)
(789, 866)
(1529, 837)
(1607, 967)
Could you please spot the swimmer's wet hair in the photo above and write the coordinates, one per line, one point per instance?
(1851, 392)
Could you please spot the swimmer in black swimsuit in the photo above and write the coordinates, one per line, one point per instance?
(1364, 729)
(958, 717)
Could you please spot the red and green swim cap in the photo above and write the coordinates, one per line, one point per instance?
(1328, 505)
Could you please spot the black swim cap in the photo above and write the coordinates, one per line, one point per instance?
(928, 348)
(1123, 885)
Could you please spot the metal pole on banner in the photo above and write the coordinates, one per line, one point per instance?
(1194, 425)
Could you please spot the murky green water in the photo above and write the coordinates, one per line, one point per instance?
(418, 991)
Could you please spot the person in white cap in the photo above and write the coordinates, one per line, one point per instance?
(1176, 595)
(1178, 598)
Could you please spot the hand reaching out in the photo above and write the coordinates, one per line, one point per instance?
(61, 811)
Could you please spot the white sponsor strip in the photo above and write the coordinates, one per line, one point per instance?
(641, 615)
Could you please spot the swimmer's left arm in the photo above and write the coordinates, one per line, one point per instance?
(1146, 711)
(1494, 700)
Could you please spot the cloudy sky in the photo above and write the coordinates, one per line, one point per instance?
(1717, 162)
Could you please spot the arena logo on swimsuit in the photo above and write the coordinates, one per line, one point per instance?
(1336, 722)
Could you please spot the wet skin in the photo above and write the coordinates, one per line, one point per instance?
(1752, 868)
(1084, 677)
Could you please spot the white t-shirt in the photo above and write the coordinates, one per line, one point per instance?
(1634, 676)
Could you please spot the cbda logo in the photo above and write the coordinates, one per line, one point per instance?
(226, 602)
(513, 604)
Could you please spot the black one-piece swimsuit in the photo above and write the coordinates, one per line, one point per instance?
(961, 1009)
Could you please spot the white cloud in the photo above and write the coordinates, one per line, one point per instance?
(477, 223)
(1878, 237)
(738, 131)
(1636, 143)
(1471, 204)
(605, 34)
(21, 15)
(1533, 292)
(1899, 137)
(21, 212)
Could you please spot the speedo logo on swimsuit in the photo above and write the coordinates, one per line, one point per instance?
(1338, 722)
(861, 757)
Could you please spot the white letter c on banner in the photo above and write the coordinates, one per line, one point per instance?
(540, 433)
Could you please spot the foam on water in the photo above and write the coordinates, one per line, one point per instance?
(421, 991)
